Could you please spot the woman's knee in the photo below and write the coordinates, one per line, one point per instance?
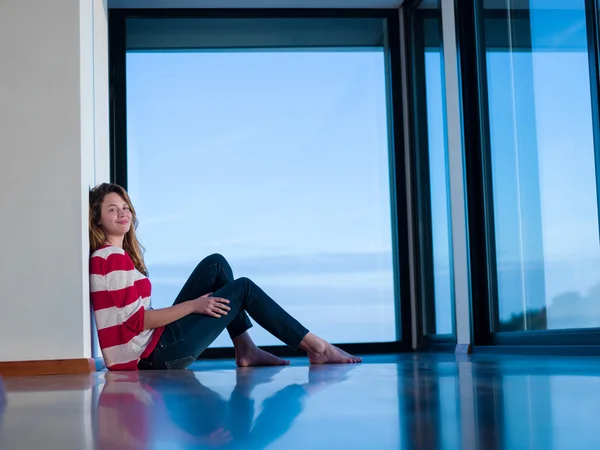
(216, 259)
(245, 283)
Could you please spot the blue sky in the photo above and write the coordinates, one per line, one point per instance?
(277, 160)
(276, 152)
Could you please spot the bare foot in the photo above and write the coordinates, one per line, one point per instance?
(330, 354)
(256, 357)
(322, 352)
(247, 354)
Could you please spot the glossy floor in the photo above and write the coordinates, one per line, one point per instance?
(392, 402)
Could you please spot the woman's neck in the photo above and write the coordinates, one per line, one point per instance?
(114, 241)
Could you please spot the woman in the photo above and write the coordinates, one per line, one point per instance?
(134, 336)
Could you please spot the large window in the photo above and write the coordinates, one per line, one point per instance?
(275, 155)
(543, 178)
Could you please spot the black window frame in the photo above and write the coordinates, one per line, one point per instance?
(398, 170)
(480, 210)
(419, 41)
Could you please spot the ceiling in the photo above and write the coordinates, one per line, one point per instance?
(254, 3)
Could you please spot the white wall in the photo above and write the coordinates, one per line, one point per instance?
(48, 135)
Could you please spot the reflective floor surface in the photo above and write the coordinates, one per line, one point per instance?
(389, 402)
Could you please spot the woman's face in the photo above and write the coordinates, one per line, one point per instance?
(115, 218)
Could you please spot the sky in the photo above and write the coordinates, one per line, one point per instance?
(278, 161)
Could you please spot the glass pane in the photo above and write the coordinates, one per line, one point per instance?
(438, 314)
(542, 157)
(438, 176)
(279, 161)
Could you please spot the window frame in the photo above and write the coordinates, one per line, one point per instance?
(399, 179)
(477, 152)
(426, 311)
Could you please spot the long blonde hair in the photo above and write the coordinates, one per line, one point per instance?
(131, 245)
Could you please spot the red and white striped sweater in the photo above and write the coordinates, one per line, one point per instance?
(120, 294)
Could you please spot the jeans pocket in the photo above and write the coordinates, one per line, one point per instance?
(171, 334)
(145, 364)
(180, 363)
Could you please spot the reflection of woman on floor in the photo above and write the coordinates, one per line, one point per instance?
(137, 410)
(132, 335)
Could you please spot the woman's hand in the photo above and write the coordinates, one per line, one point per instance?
(211, 306)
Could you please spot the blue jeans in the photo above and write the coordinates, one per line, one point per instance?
(185, 339)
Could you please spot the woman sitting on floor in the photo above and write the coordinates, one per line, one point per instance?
(134, 336)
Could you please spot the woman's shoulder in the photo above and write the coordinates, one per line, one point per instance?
(110, 259)
(108, 251)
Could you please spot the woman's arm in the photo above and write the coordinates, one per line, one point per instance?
(156, 318)
(211, 306)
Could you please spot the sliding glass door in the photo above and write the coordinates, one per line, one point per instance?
(543, 170)
(533, 197)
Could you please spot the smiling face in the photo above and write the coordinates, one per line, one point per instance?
(112, 219)
(115, 216)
